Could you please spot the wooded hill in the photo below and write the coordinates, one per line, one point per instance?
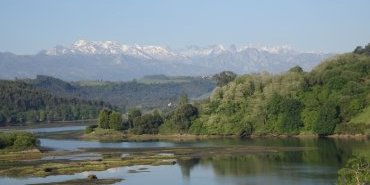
(150, 92)
(50, 99)
(21, 102)
(332, 98)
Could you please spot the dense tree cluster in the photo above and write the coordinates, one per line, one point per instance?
(21, 102)
(224, 77)
(17, 140)
(147, 123)
(180, 120)
(136, 122)
(109, 119)
(330, 99)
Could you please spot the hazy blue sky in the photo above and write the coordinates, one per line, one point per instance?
(322, 25)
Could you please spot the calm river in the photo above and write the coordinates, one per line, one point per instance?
(316, 165)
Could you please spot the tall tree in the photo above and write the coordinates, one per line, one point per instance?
(132, 114)
(115, 121)
(103, 120)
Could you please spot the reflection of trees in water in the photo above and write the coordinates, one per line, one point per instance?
(319, 152)
(187, 165)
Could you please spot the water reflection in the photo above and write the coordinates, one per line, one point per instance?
(318, 164)
(55, 129)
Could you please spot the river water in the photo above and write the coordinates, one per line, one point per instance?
(316, 165)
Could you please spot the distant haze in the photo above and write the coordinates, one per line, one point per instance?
(110, 60)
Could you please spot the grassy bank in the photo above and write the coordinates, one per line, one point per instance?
(113, 135)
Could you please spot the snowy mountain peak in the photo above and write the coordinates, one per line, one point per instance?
(125, 62)
(87, 47)
(81, 43)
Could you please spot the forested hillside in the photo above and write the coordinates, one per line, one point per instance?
(150, 92)
(21, 103)
(333, 98)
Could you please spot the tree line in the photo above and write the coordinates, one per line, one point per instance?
(176, 121)
(23, 103)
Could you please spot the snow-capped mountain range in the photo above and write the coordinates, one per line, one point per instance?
(110, 60)
(156, 52)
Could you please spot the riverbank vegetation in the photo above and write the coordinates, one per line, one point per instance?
(356, 171)
(17, 141)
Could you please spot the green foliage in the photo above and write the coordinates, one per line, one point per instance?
(17, 140)
(22, 103)
(103, 119)
(355, 172)
(115, 121)
(328, 99)
(327, 119)
(89, 129)
(224, 77)
(362, 117)
(284, 115)
(149, 93)
(296, 69)
(147, 124)
(180, 120)
(132, 115)
(353, 128)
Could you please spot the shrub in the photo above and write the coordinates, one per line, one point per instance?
(90, 129)
(356, 171)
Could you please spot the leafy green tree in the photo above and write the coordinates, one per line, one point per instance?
(132, 114)
(291, 116)
(147, 124)
(327, 119)
(284, 114)
(25, 140)
(296, 69)
(103, 119)
(181, 119)
(115, 121)
(17, 140)
(224, 77)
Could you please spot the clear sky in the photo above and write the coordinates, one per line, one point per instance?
(28, 26)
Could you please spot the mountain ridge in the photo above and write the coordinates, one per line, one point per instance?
(83, 46)
(109, 60)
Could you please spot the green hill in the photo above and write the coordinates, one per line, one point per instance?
(21, 102)
(333, 98)
(151, 92)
